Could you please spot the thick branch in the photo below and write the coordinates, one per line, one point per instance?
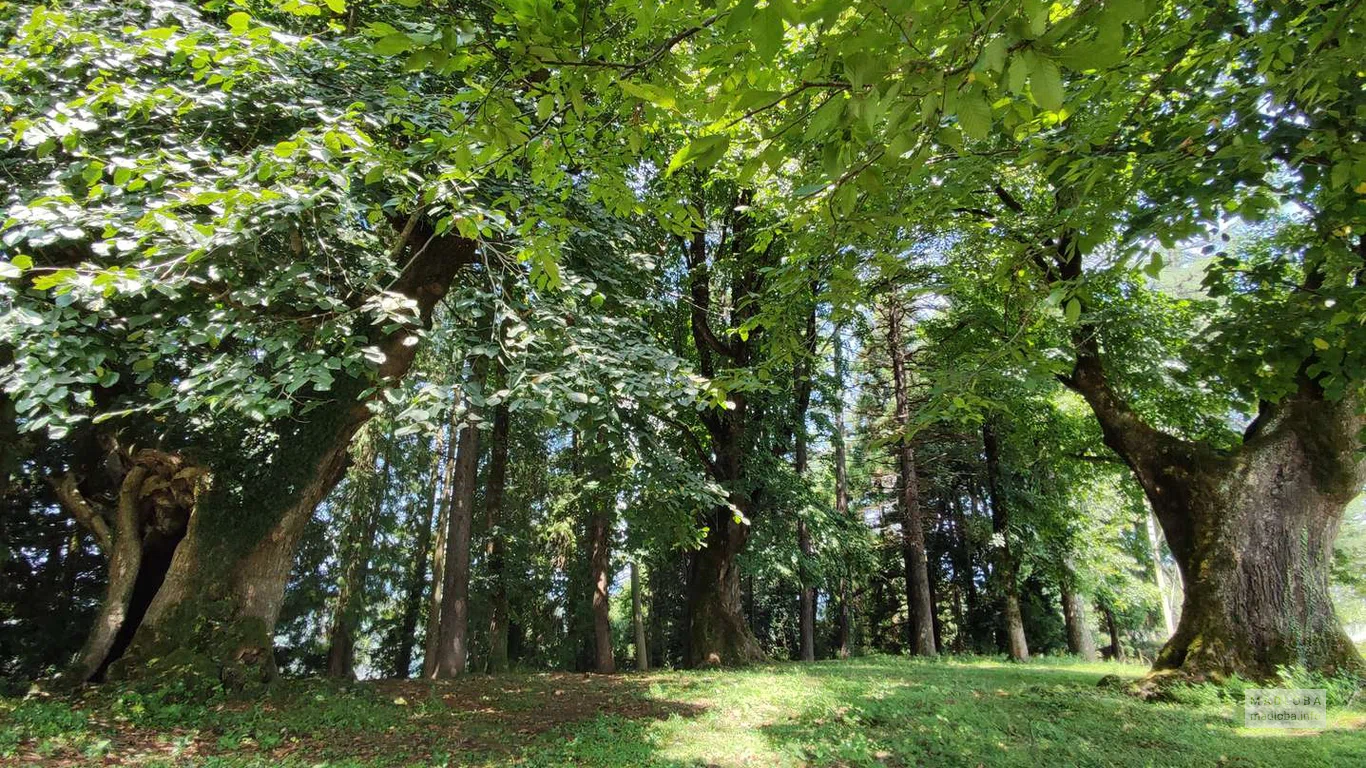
(75, 504)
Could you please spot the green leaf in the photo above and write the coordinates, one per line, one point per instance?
(336, 6)
(238, 22)
(651, 93)
(974, 115)
(1045, 82)
(1072, 310)
(1154, 265)
(699, 150)
(392, 44)
(1018, 74)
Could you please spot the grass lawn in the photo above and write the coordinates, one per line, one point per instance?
(877, 711)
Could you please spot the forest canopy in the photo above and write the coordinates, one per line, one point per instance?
(405, 337)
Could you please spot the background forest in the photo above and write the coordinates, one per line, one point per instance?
(401, 338)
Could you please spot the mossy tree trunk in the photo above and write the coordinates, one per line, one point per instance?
(214, 616)
(1252, 527)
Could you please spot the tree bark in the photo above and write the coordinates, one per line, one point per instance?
(918, 601)
(494, 497)
(452, 645)
(1116, 650)
(154, 497)
(717, 632)
(844, 617)
(1007, 562)
(600, 575)
(443, 524)
(1080, 641)
(417, 575)
(718, 635)
(638, 622)
(214, 616)
(360, 538)
(1251, 529)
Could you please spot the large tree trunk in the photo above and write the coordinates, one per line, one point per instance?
(919, 604)
(359, 541)
(1252, 530)
(497, 547)
(638, 622)
(1080, 641)
(600, 575)
(417, 575)
(452, 645)
(1007, 561)
(717, 632)
(718, 635)
(214, 616)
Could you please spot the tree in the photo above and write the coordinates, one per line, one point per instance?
(921, 605)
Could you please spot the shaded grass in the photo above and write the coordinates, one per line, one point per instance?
(875, 711)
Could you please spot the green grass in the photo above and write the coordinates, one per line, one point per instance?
(876, 711)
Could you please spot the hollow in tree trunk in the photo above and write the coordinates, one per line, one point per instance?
(138, 533)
